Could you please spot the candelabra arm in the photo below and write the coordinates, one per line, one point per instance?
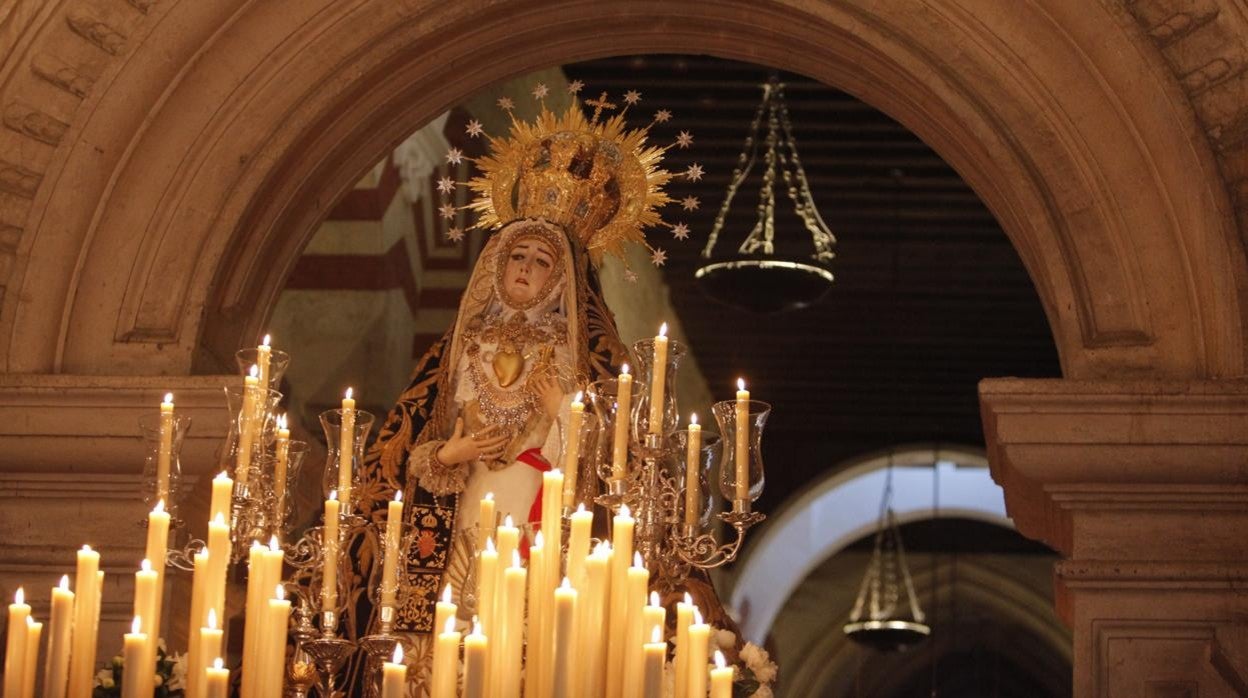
(706, 552)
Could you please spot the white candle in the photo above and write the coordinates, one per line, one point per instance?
(390, 569)
(699, 640)
(61, 625)
(446, 663)
(144, 602)
(476, 649)
(15, 650)
(329, 559)
(279, 472)
(222, 492)
(157, 550)
(578, 544)
(164, 454)
(623, 409)
(485, 520)
(257, 589)
(218, 565)
(654, 653)
(346, 438)
(252, 401)
(273, 644)
(636, 583)
(210, 643)
(537, 556)
(195, 659)
(394, 675)
(508, 648)
(684, 618)
(487, 581)
(743, 441)
(571, 457)
(693, 485)
(721, 677)
(34, 631)
(445, 609)
(218, 679)
(506, 538)
(264, 354)
(82, 657)
(659, 381)
(622, 544)
(565, 613)
(137, 682)
(593, 613)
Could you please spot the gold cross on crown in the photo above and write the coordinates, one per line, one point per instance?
(598, 105)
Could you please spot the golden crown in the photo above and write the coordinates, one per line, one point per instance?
(598, 180)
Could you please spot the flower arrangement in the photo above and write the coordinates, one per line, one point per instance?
(755, 671)
(170, 678)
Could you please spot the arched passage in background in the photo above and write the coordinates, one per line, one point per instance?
(844, 507)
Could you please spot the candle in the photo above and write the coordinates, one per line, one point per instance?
(552, 533)
(217, 678)
(578, 544)
(390, 569)
(164, 454)
(699, 639)
(279, 472)
(593, 614)
(684, 617)
(247, 424)
(210, 643)
(329, 562)
(508, 649)
(196, 660)
(537, 555)
(623, 408)
(394, 675)
(34, 631)
(659, 381)
(145, 597)
(507, 537)
(446, 663)
(721, 677)
(693, 485)
(218, 565)
(157, 549)
(445, 609)
(653, 615)
(61, 625)
(562, 669)
(82, 656)
(222, 492)
(743, 441)
(636, 583)
(264, 354)
(476, 649)
(254, 612)
(273, 645)
(15, 650)
(654, 652)
(138, 680)
(485, 520)
(346, 439)
(487, 580)
(572, 455)
(622, 544)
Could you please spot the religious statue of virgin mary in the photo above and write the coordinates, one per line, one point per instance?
(486, 404)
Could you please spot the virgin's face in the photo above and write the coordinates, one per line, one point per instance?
(529, 264)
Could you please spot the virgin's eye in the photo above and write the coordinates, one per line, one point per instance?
(543, 263)
(517, 257)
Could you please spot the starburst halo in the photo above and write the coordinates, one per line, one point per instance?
(635, 167)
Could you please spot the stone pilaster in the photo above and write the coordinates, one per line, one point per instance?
(1143, 488)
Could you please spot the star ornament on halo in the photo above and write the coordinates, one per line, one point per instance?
(694, 173)
(680, 231)
(662, 116)
(541, 91)
(447, 211)
(690, 203)
(455, 234)
(575, 87)
(455, 156)
(474, 129)
(506, 103)
(685, 139)
(632, 97)
(658, 257)
(446, 185)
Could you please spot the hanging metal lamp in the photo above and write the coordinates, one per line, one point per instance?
(878, 619)
(763, 274)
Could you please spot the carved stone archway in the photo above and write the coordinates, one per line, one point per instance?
(163, 162)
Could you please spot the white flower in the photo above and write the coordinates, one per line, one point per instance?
(725, 639)
(762, 692)
(103, 675)
(108, 682)
(177, 675)
(759, 661)
(766, 673)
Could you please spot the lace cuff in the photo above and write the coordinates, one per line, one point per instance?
(433, 477)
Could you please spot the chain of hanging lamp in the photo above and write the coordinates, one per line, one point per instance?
(780, 153)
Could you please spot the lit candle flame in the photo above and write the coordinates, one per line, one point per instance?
(624, 511)
(349, 393)
(579, 396)
(160, 506)
(489, 545)
(719, 660)
(169, 397)
(218, 663)
(136, 625)
(693, 419)
(489, 496)
(20, 597)
(265, 342)
(146, 565)
(656, 635)
(580, 508)
(30, 621)
(663, 330)
(697, 616)
(254, 372)
(279, 593)
(256, 544)
(688, 599)
(450, 625)
(515, 558)
(333, 494)
(64, 585)
(508, 521)
(281, 421)
(637, 562)
(398, 496)
(219, 520)
(740, 384)
(274, 546)
(212, 619)
(86, 548)
(654, 598)
(537, 540)
(446, 594)
(566, 584)
(398, 654)
(476, 626)
(222, 476)
(624, 370)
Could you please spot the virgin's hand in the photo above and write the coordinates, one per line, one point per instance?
(548, 392)
(487, 444)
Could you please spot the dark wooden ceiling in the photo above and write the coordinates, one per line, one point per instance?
(929, 295)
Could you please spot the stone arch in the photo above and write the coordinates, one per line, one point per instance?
(150, 230)
(843, 506)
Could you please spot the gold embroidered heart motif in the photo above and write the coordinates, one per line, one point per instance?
(507, 367)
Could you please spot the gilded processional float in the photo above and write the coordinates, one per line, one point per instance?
(532, 518)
